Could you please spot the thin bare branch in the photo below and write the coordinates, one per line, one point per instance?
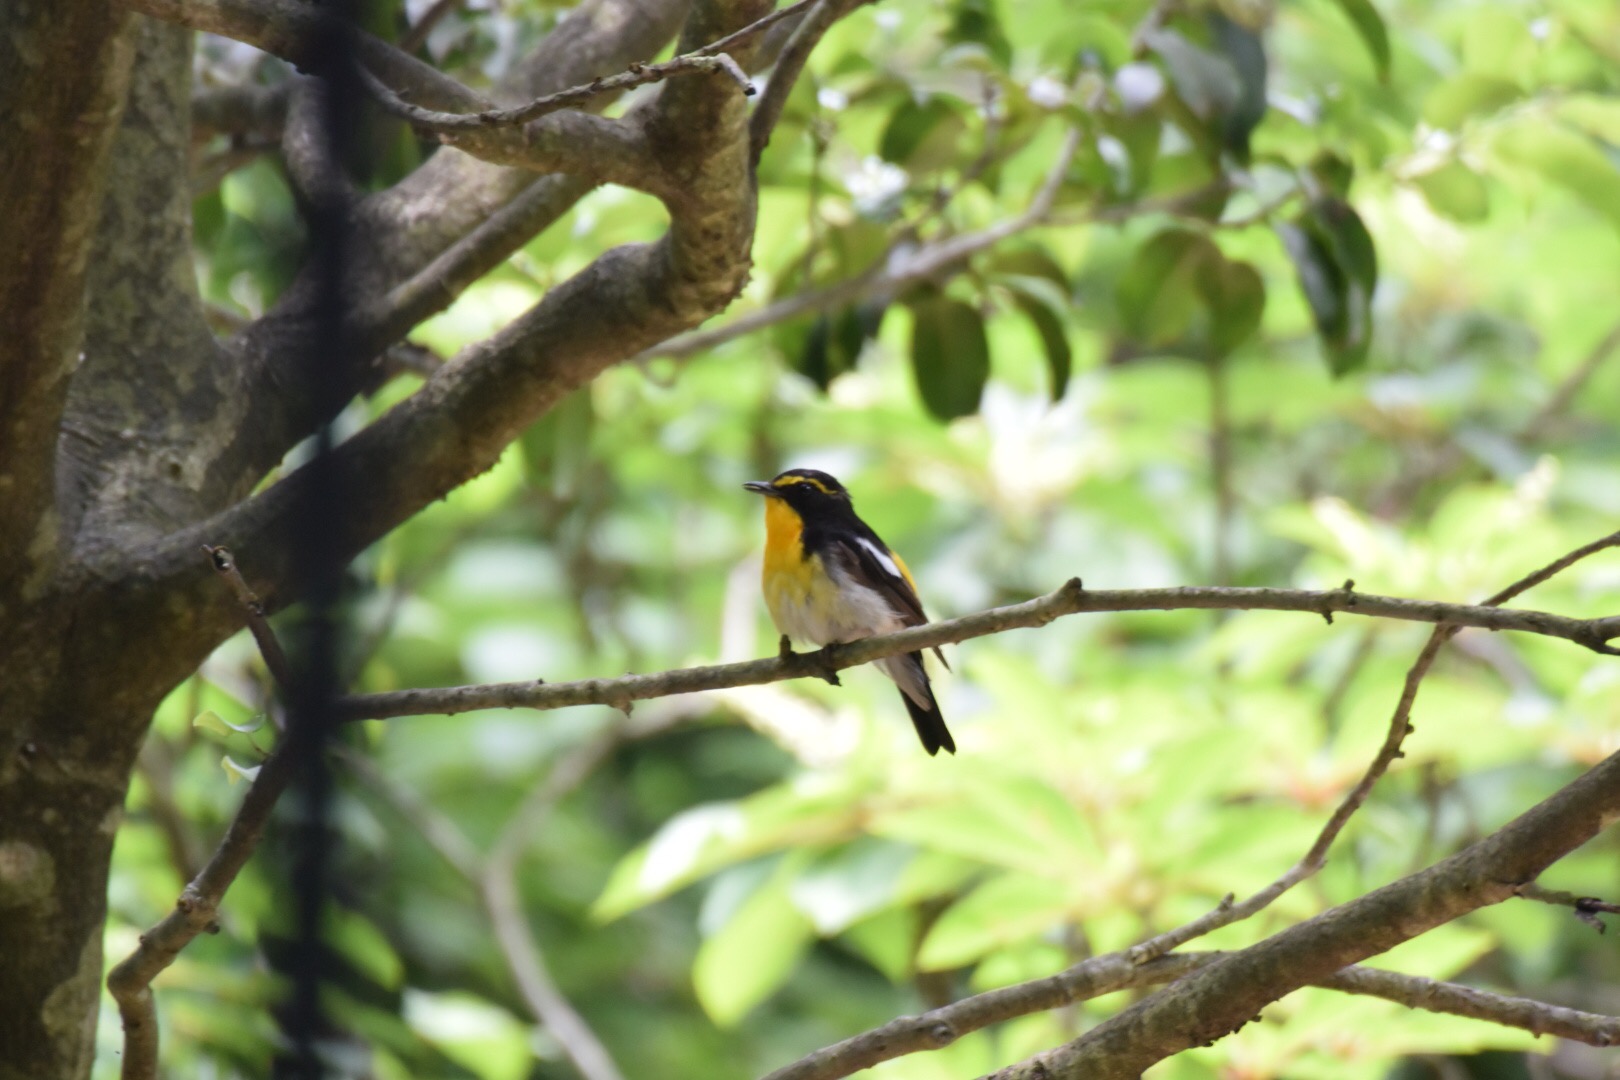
(196, 912)
(494, 878)
(417, 35)
(806, 36)
(275, 658)
(1565, 394)
(454, 123)
(1536, 1017)
(1071, 599)
(1586, 908)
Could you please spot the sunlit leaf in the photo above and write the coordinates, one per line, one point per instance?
(745, 961)
(1565, 158)
(704, 839)
(1005, 909)
(1465, 96)
(1370, 27)
(1455, 191)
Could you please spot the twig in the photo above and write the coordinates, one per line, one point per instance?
(447, 123)
(417, 35)
(939, 1028)
(789, 66)
(1071, 599)
(1586, 908)
(711, 59)
(257, 622)
(196, 911)
(1573, 383)
(1536, 1017)
(130, 982)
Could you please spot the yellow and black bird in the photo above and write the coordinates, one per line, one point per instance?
(830, 579)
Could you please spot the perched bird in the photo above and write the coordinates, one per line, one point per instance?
(829, 579)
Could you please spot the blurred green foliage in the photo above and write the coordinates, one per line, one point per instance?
(1307, 311)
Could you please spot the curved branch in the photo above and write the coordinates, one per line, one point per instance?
(1071, 599)
(577, 143)
(458, 424)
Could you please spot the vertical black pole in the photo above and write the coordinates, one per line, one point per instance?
(316, 548)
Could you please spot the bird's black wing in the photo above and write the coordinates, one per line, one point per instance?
(869, 562)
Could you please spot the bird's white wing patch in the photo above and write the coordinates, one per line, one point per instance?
(881, 556)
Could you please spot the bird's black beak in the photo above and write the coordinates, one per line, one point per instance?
(760, 486)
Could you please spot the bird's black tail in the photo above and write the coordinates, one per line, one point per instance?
(928, 721)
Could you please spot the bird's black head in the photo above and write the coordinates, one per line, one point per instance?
(806, 490)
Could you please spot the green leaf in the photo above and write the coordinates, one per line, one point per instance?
(1455, 191)
(850, 884)
(1464, 96)
(1369, 25)
(950, 355)
(359, 940)
(1349, 240)
(1237, 299)
(922, 136)
(235, 771)
(885, 940)
(556, 447)
(1040, 289)
(1566, 158)
(977, 22)
(1009, 820)
(210, 721)
(1323, 283)
(1054, 342)
(745, 961)
(1207, 82)
(1244, 50)
(1006, 909)
(1158, 293)
(1596, 115)
(699, 841)
(1337, 264)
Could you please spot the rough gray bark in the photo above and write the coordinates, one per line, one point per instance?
(60, 792)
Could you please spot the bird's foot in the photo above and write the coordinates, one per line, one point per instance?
(784, 648)
(828, 657)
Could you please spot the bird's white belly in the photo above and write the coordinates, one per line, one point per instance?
(825, 610)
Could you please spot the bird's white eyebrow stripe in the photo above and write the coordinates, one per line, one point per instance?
(881, 556)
